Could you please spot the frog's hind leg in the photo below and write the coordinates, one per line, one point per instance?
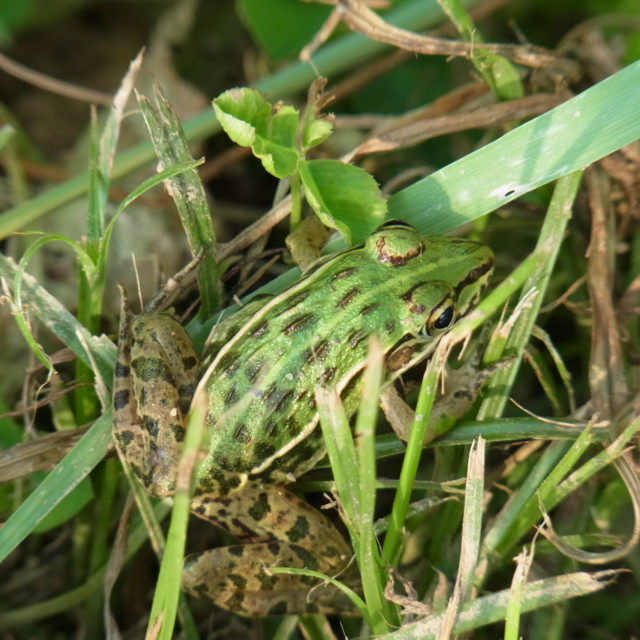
(281, 531)
(154, 382)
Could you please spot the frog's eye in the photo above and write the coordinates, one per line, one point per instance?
(395, 223)
(441, 317)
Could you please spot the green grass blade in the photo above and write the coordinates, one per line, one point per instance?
(187, 192)
(492, 608)
(95, 351)
(393, 540)
(546, 252)
(167, 595)
(74, 467)
(381, 612)
(559, 142)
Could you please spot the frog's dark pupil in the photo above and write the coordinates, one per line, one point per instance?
(444, 319)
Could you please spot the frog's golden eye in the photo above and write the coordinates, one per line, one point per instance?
(441, 317)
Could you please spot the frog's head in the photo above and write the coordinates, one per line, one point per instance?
(453, 274)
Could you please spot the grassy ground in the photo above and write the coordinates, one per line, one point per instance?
(531, 153)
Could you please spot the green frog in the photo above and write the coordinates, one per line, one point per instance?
(258, 372)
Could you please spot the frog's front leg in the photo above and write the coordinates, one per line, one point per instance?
(462, 387)
(154, 382)
(278, 530)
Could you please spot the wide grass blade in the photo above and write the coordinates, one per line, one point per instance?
(566, 139)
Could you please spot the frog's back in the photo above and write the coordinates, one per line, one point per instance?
(261, 385)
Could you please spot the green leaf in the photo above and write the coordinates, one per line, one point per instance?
(238, 111)
(250, 121)
(315, 132)
(580, 131)
(344, 197)
(275, 144)
(187, 191)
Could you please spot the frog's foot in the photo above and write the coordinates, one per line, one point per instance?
(281, 531)
(238, 578)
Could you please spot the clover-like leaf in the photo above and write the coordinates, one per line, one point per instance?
(344, 197)
(315, 132)
(250, 121)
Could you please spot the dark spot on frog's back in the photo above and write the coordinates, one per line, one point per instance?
(152, 369)
(201, 589)
(356, 337)
(238, 581)
(344, 273)
(260, 508)
(302, 321)
(348, 297)
(217, 480)
(150, 425)
(232, 395)
(295, 299)
(121, 399)
(229, 362)
(475, 274)
(300, 455)
(267, 580)
(125, 438)
(189, 362)
(299, 530)
(236, 601)
(407, 296)
(275, 398)
(331, 552)
(178, 432)
(252, 370)
(291, 425)
(263, 450)
(369, 309)
(143, 395)
(283, 401)
(317, 352)
(240, 526)
(271, 427)
(185, 393)
(122, 370)
(261, 330)
(308, 559)
(241, 433)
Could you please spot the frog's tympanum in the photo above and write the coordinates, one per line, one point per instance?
(259, 372)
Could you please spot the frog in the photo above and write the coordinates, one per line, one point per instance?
(257, 375)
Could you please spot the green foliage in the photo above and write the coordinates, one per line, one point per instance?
(343, 196)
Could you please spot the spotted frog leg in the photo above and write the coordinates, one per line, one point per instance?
(276, 527)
